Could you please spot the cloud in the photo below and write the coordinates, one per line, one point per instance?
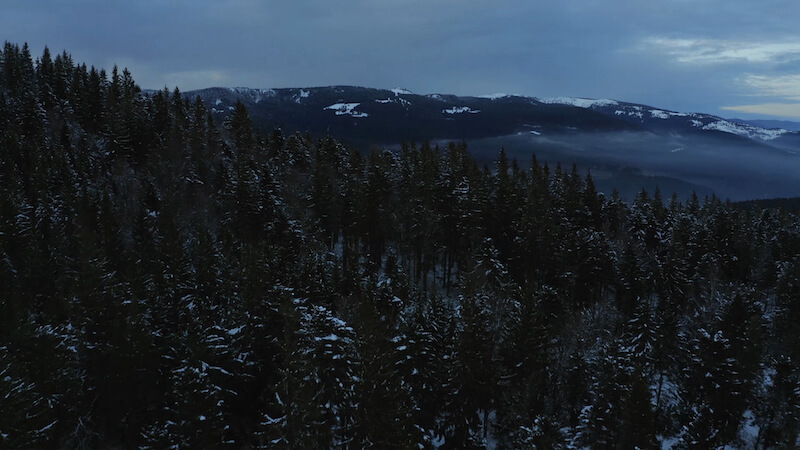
(768, 109)
(786, 86)
(721, 51)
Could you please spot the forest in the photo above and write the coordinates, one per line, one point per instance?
(168, 281)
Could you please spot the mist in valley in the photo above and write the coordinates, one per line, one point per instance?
(727, 166)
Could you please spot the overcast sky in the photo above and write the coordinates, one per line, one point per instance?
(732, 57)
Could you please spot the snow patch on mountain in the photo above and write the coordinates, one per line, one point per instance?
(496, 96)
(659, 114)
(399, 100)
(460, 110)
(346, 109)
(745, 130)
(301, 95)
(256, 95)
(635, 111)
(401, 91)
(579, 102)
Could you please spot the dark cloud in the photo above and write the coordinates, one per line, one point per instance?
(685, 55)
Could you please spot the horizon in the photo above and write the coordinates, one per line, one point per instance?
(743, 116)
(730, 59)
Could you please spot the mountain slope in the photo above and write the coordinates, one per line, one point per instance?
(390, 116)
(635, 146)
(447, 116)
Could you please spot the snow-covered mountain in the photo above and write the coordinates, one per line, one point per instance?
(626, 145)
(387, 116)
(663, 119)
(489, 115)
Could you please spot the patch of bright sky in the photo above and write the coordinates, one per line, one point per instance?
(768, 109)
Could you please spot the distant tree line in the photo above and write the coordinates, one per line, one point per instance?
(167, 281)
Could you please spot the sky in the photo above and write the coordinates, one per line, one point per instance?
(734, 58)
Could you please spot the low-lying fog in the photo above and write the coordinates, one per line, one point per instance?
(719, 163)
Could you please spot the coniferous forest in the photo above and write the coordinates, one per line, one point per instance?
(168, 281)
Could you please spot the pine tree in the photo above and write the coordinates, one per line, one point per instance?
(320, 382)
(714, 389)
(473, 379)
(778, 410)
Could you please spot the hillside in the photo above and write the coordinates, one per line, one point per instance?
(628, 146)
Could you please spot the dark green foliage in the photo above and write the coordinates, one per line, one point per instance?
(170, 281)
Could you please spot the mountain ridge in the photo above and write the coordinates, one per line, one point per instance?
(766, 123)
(637, 146)
(627, 111)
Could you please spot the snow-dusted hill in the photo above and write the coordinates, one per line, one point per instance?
(322, 105)
(659, 118)
(629, 146)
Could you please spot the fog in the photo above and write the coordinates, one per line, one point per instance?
(725, 165)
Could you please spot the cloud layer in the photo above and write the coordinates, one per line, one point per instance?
(718, 51)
